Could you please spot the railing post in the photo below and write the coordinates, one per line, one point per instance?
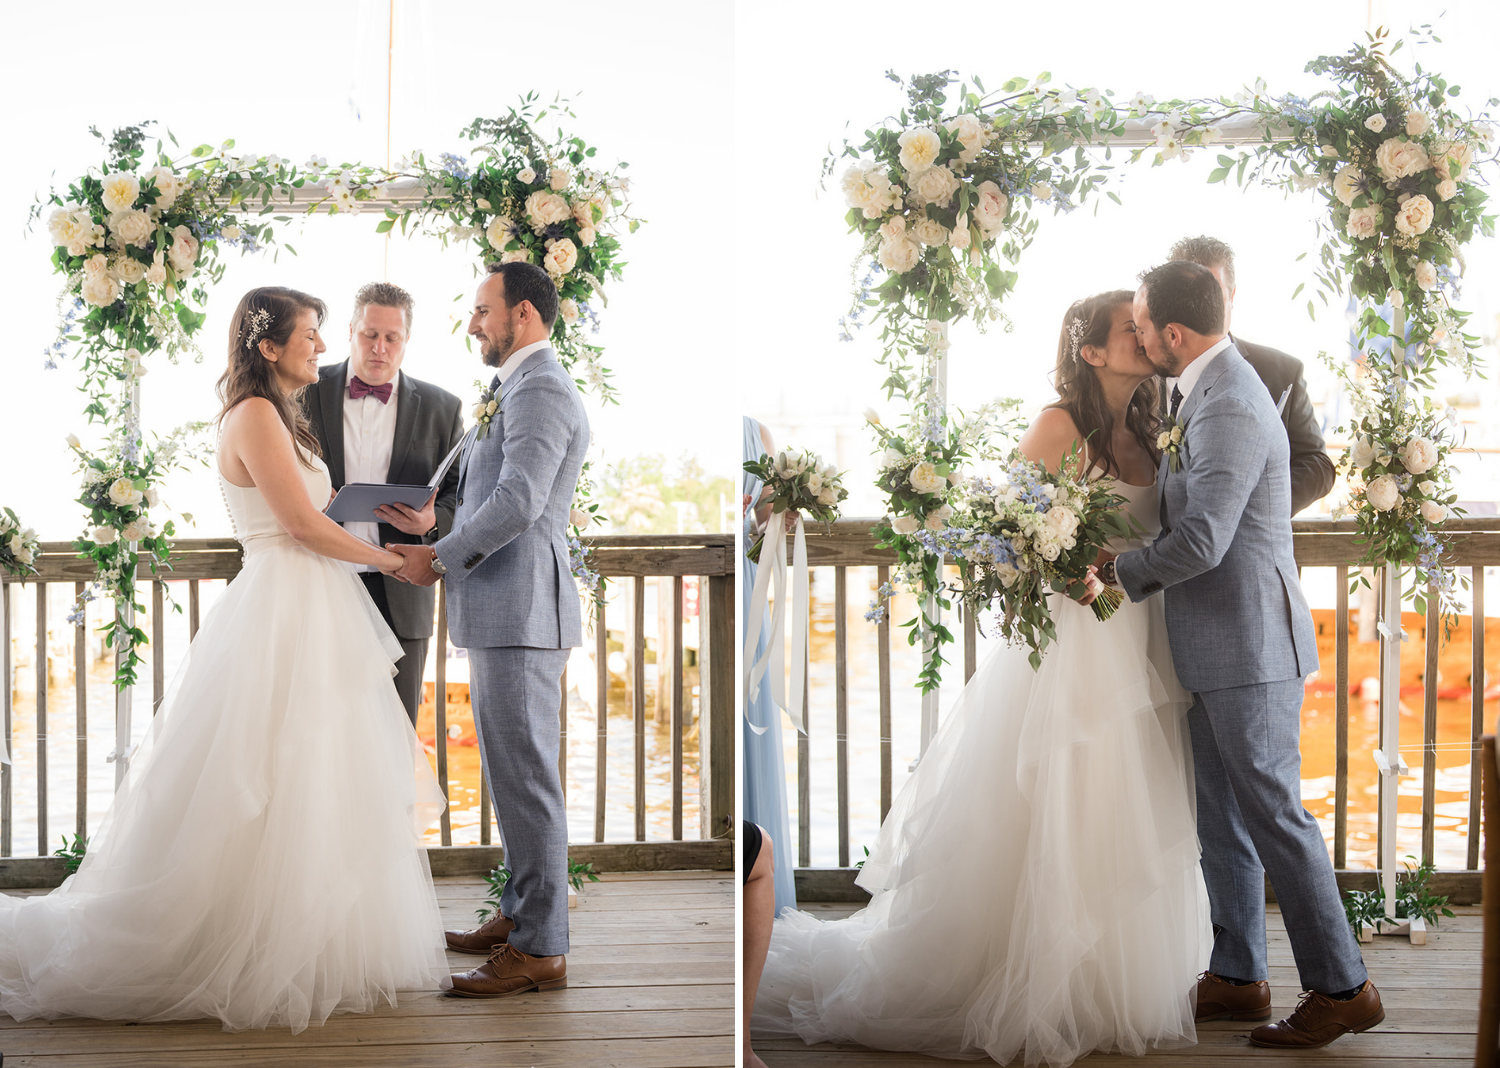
(638, 699)
(716, 732)
(1341, 722)
(883, 670)
(9, 682)
(81, 728)
(1477, 682)
(601, 713)
(1429, 728)
(41, 719)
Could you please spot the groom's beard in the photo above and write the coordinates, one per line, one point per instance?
(493, 352)
(1167, 365)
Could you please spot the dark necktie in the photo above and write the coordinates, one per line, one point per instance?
(358, 388)
(1176, 402)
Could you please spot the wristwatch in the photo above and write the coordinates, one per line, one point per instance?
(1106, 573)
(438, 567)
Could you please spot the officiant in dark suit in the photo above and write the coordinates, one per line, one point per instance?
(377, 424)
(1312, 470)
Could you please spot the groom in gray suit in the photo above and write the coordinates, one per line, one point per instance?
(1242, 641)
(513, 603)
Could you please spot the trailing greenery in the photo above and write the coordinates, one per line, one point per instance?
(578, 871)
(1366, 908)
(72, 853)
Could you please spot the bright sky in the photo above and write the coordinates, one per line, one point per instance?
(820, 65)
(299, 78)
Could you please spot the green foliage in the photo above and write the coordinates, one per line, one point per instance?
(1366, 908)
(641, 494)
(578, 871)
(72, 853)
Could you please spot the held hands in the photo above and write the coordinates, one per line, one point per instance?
(416, 564)
(409, 520)
(1093, 585)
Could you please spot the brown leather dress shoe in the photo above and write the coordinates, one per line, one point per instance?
(1318, 1020)
(509, 971)
(1220, 1000)
(483, 939)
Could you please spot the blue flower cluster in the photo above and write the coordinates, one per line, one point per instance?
(1297, 109)
(578, 563)
(60, 346)
(457, 166)
(879, 608)
(79, 615)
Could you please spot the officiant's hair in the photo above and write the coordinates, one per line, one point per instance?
(387, 296)
(1079, 392)
(268, 312)
(1185, 293)
(527, 281)
(1207, 252)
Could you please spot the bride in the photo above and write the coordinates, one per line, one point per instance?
(1036, 891)
(261, 862)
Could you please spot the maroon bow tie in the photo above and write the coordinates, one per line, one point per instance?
(358, 388)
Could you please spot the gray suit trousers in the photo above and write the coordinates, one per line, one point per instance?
(516, 690)
(1251, 824)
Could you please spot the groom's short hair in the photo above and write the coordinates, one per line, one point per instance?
(1187, 294)
(527, 281)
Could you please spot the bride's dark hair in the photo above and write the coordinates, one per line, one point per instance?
(1078, 390)
(269, 312)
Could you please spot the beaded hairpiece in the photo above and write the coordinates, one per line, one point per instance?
(1076, 329)
(256, 324)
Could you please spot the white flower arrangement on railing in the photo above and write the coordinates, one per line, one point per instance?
(19, 546)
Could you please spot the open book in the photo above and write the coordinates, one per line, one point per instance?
(357, 501)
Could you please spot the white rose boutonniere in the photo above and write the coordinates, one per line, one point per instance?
(1169, 441)
(484, 412)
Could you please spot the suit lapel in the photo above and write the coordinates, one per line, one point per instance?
(408, 405)
(331, 392)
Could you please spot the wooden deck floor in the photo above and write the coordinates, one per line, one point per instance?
(1430, 993)
(650, 983)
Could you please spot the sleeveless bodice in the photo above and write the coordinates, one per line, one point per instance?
(254, 522)
(1141, 503)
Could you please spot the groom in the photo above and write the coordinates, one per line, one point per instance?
(1242, 641)
(513, 604)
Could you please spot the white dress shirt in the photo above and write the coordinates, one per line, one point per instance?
(369, 434)
(520, 356)
(1194, 371)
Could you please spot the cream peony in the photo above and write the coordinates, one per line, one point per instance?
(1362, 452)
(939, 519)
(899, 253)
(1400, 158)
(1419, 455)
(105, 536)
(1415, 216)
(1375, 122)
(1418, 123)
(168, 186)
(1382, 493)
(128, 269)
(1447, 189)
(919, 149)
(936, 185)
(1433, 512)
(545, 209)
(497, 233)
(137, 529)
(184, 250)
(558, 178)
(1363, 222)
(120, 191)
(568, 309)
(990, 207)
(970, 133)
(122, 493)
(905, 525)
(1346, 183)
(101, 290)
(1426, 275)
(925, 479)
(132, 227)
(584, 213)
(930, 232)
(515, 255)
(561, 257)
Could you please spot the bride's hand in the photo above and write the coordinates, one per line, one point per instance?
(390, 563)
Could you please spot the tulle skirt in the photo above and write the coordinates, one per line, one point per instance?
(1037, 894)
(261, 862)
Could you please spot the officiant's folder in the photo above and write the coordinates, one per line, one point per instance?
(356, 502)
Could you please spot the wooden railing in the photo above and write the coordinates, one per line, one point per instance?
(665, 559)
(1473, 545)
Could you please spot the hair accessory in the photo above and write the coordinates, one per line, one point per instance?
(257, 322)
(1076, 329)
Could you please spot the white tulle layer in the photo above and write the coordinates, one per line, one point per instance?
(1037, 894)
(261, 863)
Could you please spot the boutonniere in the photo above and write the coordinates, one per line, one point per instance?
(1169, 441)
(484, 412)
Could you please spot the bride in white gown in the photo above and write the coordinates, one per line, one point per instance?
(1036, 890)
(261, 862)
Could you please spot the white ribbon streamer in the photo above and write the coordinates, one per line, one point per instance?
(771, 666)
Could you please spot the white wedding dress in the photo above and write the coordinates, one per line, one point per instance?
(1037, 894)
(261, 862)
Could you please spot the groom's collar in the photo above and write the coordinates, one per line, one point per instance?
(1193, 372)
(520, 356)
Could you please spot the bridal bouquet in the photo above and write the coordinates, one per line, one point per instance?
(1030, 533)
(19, 547)
(799, 482)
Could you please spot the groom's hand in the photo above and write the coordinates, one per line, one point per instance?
(418, 570)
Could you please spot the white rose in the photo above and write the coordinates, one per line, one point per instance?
(1362, 452)
(1042, 191)
(497, 233)
(98, 263)
(1363, 222)
(578, 517)
(153, 497)
(122, 493)
(132, 227)
(1346, 183)
(586, 237)
(919, 149)
(1447, 189)
(1063, 520)
(1419, 455)
(1375, 122)
(1006, 573)
(232, 232)
(936, 185)
(814, 483)
(1427, 487)
(970, 133)
(872, 417)
(583, 212)
(1396, 297)
(561, 257)
(128, 269)
(168, 186)
(526, 176)
(905, 525)
(899, 254)
(1400, 158)
(482, 204)
(1415, 216)
(558, 178)
(1452, 160)
(892, 457)
(516, 255)
(1382, 493)
(925, 479)
(184, 251)
(937, 521)
(828, 497)
(930, 231)
(137, 529)
(101, 290)
(1418, 123)
(156, 274)
(105, 535)
(568, 309)
(120, 191)
(1164, 440)
(544, 209)
(990, 207)
(1426, 275)
(1048, 546)
(64, 226)
(1433, 512)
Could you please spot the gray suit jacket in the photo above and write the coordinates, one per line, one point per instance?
(508, 577)
(429, 422)
(1235, 611)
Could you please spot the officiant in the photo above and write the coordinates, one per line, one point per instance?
(378, 424)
